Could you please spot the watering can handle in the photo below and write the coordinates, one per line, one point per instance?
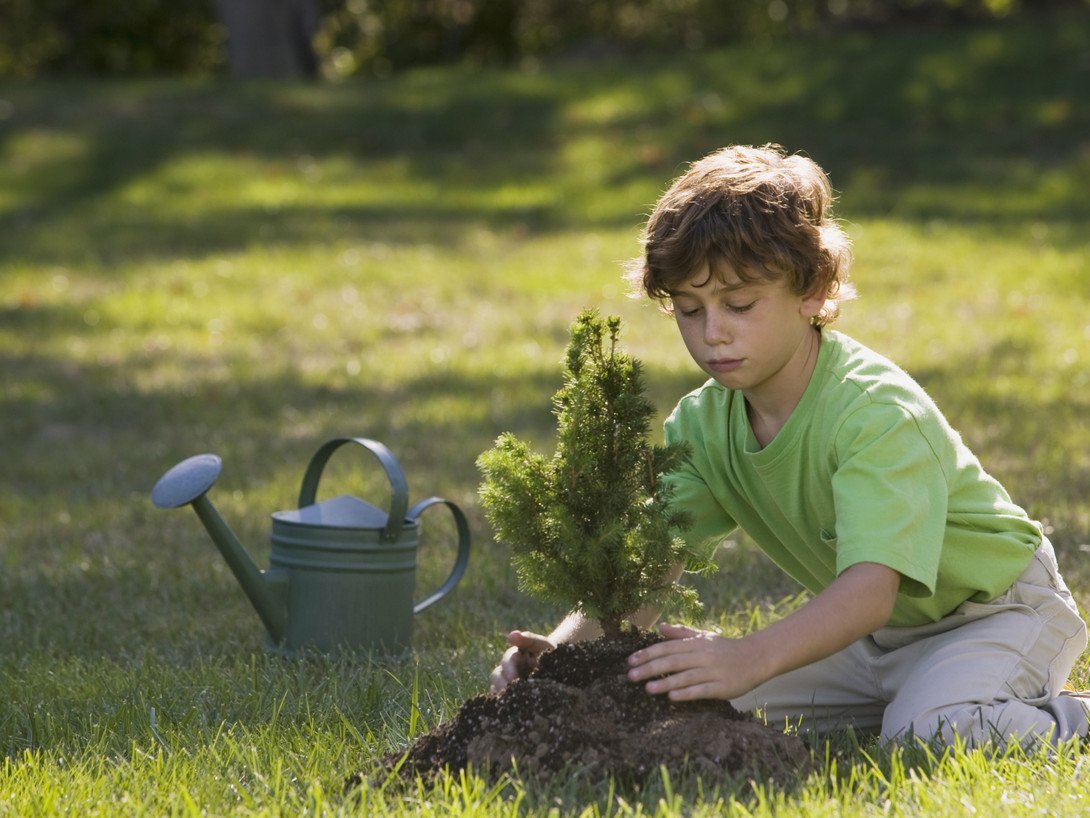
(399, 488)
(460, 562)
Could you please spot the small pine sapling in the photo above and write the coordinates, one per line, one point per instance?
(592, 528)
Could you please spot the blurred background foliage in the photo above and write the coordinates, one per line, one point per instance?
(342, 38)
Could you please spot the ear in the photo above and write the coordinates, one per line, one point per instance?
(811, 305)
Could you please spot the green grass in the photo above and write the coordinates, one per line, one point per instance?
(251, 270)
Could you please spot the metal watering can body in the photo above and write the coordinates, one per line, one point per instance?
(342, 573)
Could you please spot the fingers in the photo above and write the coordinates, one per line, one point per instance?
(690, 664)
(663, 659)
(498, 681)
(678, 631)
(529, 642)
(688, 676)
(519, 659)
(697, 689)
(680, 639)
(515, 665)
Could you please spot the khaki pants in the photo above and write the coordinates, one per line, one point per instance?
(986, 672)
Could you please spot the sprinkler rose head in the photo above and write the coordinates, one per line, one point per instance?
(187, 481)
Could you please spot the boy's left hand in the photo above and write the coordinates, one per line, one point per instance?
(695, 664)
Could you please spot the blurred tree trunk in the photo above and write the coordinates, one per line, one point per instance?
(270, 39)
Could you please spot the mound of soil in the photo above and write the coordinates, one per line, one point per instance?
(577, 712)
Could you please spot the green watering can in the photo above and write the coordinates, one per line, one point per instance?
(342, 573)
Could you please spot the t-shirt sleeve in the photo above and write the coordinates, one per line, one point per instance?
(710, 523)
(890, 496)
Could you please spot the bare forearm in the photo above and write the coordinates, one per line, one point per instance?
(857, 604)
(575, 628)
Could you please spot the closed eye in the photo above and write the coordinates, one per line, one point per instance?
(685, 311)
(740, 308)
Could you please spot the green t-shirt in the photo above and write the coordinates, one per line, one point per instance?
(866, 469)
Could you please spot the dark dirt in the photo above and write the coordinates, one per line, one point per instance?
(577, 712)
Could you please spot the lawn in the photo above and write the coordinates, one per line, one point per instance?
(252, 270)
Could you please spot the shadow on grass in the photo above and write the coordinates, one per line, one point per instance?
(986, 125)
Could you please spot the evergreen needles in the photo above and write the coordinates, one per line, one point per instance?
(591, 528)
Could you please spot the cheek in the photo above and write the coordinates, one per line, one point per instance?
(688, 329)
(692, 336)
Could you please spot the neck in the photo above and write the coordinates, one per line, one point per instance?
(770, 408)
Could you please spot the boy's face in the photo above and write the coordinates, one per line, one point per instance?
(754, 336)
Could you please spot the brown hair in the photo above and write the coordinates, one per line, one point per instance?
(760, 212)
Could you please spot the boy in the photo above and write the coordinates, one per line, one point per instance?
(937, 609)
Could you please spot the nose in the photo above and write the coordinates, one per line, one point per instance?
(716, 327)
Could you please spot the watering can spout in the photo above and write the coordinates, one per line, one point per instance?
(187, 483)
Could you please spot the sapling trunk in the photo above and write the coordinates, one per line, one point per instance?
(591, 527)
(612, 627)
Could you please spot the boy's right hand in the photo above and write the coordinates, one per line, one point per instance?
(520, 658)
